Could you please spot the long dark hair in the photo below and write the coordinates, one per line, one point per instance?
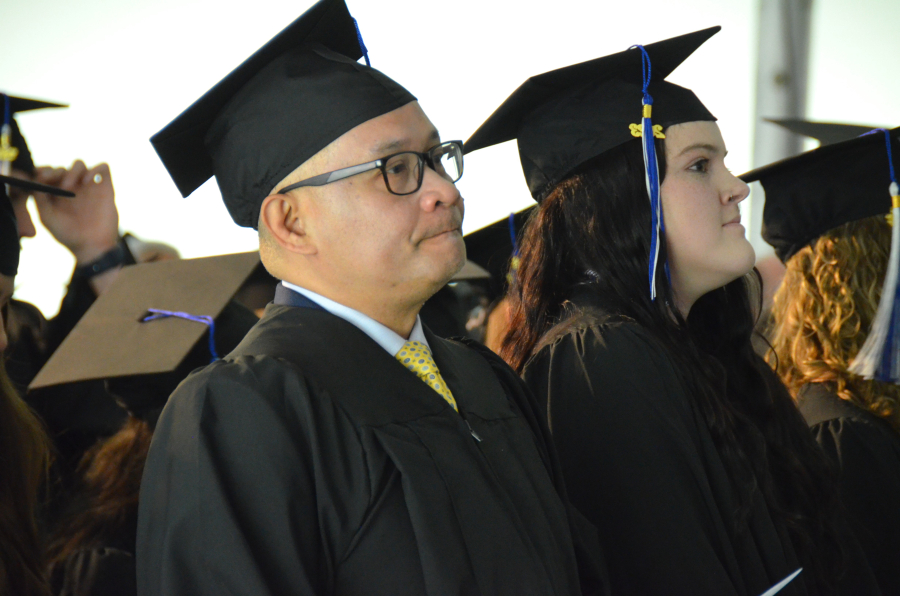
(24, 462)
(597, 220)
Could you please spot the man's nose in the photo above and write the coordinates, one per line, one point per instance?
(437, 190)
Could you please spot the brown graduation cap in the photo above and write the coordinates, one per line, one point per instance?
(289, 100)
(111, 340)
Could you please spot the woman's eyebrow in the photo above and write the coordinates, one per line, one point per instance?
(707, 146)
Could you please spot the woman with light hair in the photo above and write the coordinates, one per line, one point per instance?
(825, 217)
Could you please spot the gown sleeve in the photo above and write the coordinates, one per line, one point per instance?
(228, 500)
(630, 455)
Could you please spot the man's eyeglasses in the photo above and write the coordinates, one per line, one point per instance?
(403, 172)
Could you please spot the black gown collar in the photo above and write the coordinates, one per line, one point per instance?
(288, 297)
(381, 390)
(819, 404)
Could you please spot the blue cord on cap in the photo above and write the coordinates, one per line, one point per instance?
(362, 45)
(206, 320)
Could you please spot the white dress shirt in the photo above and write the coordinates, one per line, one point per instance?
(383, 336)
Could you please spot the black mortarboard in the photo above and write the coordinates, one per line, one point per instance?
(289, 100)
(826, 133)
(494, 246)
(12, 105)
(821, 189)
(112, 339)
(568, 116)
(9, 229)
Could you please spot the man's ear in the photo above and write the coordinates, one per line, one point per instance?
(282, 215)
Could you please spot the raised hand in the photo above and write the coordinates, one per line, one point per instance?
(88, 224)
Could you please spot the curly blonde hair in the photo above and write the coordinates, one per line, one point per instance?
(824, 309)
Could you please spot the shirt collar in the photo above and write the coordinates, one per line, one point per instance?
(383, 336)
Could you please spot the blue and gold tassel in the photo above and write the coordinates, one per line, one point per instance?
(8, 153)
(514, 260)
(879, 358)
(648, 133)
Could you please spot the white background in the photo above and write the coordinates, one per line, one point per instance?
(127, 68)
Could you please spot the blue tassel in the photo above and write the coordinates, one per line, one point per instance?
(8, 153)
(514, 262)
(879, 357)
(651, 166)
(362, 45)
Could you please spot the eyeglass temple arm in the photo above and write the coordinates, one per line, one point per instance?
(328, 177)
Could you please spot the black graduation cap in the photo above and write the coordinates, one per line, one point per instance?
(568, 116)
(294, 96)
(11, 106)
(492, 247)
(824, 132)
(821, 189)
(113, 339)
(9, 229)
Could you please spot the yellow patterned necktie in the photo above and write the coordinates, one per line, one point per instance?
(416, 356)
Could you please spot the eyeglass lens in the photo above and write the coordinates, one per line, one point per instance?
(403, 172)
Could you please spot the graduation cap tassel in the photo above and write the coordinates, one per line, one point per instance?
(206, 320)
(879, 357)
(362, 45)
(514, 261)
(651, 168)
(8, 153)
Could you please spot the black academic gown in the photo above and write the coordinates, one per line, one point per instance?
(867, 451)
(106, 569)
(310, 461)
(640, 463)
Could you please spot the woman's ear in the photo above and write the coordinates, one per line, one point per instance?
(282, 215)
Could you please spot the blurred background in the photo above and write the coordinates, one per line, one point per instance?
(128, 68)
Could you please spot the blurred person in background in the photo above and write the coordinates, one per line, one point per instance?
(87, 224)
(825, 216)
(24, 446)
(91, 551)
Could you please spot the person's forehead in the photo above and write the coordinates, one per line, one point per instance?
(406, 128)
(688, 136)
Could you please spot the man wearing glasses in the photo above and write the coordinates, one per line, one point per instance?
(342, 448)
